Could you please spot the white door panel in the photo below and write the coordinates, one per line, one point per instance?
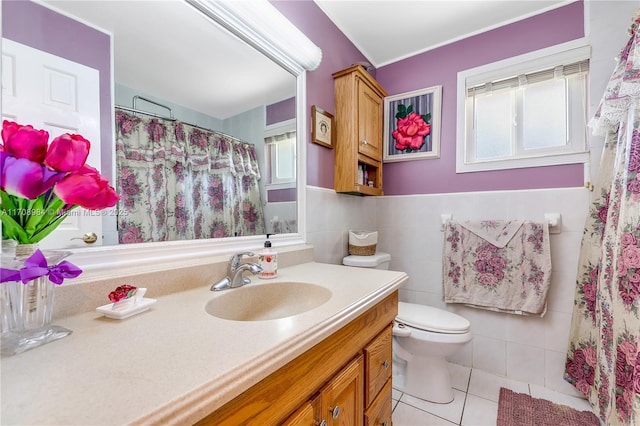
(59, 96)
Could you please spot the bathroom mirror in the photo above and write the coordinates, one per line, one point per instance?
(279, 63)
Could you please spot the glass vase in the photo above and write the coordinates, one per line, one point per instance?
(26, 309)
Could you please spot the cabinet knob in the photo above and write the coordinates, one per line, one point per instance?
(384, 423)
(335, 411)
(364, 142)
(322, 423)
(385, 363)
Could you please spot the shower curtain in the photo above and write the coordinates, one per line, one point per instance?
(602, 359)
(179, 182)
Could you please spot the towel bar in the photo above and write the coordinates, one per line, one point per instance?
(554, 220)
(444, 218)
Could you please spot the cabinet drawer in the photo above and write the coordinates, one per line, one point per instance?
(378, 360)
(380, 411)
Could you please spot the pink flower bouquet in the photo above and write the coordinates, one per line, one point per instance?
(41, 182)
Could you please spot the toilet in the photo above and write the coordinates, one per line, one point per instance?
(423, 338)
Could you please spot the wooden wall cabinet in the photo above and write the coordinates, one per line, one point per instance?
(359, 102)
(343, 380)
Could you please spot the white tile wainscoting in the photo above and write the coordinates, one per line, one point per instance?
(529, 349)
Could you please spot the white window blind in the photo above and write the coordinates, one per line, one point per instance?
(579, 67)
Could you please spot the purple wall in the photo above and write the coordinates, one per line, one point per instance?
(436, 67)
(337, 53)
(281, 195)
(440, 67)
(43, 29)
(281, 111)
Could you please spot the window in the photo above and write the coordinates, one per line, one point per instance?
(280, 154)
(525, 111)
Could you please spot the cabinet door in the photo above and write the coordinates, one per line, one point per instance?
(378, 363)
(369, 121)
(307, 415)
(342, 398)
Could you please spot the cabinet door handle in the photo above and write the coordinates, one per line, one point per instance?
(323, 423)
(385, 363)
(364, 142)
(335, 411)
(384, 423)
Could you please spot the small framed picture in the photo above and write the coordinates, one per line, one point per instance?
(412, 125)
(321, 127)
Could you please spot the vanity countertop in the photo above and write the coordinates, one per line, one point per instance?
(174, 364)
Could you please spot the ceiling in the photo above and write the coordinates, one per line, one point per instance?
(169, 50)
(386, 31)
(156, 43)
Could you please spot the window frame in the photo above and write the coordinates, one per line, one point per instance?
(270, 131)
(550, 57)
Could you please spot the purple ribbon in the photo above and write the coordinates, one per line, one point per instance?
(35, 266)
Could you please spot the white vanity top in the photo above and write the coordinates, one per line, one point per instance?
(174, 364)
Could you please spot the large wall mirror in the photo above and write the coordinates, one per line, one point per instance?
(197, 124)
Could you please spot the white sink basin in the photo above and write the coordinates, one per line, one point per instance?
(267, 301)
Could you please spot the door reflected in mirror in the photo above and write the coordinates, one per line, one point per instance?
(195, 128)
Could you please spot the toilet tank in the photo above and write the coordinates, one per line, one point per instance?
(379, 260)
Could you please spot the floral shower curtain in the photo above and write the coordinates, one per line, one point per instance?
(602, 359)
(179, 182)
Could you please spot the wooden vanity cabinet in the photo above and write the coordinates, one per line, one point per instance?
(342, 398)
(307, 414)
(359, 102)
(379, 413)
(345, 370)
(378, 358)
(340, 402)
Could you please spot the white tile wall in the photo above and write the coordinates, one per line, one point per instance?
(329, 218)
(503, 344)
(529, 349)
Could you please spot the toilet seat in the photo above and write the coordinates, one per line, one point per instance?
(431, 319)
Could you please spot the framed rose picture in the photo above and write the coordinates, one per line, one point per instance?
(412, 125)
(321, 127)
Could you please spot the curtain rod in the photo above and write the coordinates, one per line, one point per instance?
(139, 111)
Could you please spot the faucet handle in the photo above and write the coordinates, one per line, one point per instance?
(235, 260)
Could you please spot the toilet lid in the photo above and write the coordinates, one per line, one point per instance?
(429, 318)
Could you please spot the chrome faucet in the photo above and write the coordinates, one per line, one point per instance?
(235, 270)
(235, 261)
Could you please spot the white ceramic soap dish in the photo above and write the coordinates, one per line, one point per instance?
(127, 307)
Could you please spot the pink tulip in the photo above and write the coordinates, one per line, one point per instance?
(86, 188)
(67, 153)
(24, 141)
(24, 178)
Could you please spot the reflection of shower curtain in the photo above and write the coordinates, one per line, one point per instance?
(178, 182)
(602, 360)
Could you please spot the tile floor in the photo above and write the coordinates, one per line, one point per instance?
(475, 402)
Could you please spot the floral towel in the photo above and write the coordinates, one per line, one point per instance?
(514, 278)
(497, 232)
